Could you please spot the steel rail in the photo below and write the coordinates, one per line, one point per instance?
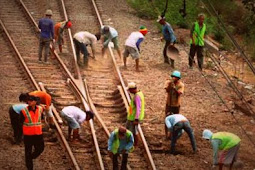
(39, 87)
(75, 83)
(127, 97)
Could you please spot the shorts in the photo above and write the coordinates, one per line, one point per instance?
(132, 51)
(72, 123)
(133, 128)
(114, 41)
(226, 157)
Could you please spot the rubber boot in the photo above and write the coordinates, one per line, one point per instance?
(60, 48)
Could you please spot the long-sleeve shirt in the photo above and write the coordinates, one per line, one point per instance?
(215, 144)
(47, 28)
(168, 33)
(134, 40)
(124, 143)
(110, 35)
(75, 112)
(171, 120)
(45, 98)
(18, 107)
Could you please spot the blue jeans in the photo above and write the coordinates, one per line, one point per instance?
(81, 48)
(177, 132)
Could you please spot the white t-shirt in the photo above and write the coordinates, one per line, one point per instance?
(133, 38)
(75, 112)
(85, 37)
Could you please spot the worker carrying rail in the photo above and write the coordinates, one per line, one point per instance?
(132, 46)
(225, 147)
(120, 142)
(176, 124)
(45, 100)
(135, 113)
(30, 117)
(46, 36)
(110, 34)
(81, 40)
(59, 32)
(174, 88)
(75, 117)
(14, 112)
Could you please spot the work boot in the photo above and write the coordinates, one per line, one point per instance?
(166, 61)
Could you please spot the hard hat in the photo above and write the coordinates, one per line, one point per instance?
(68, 24)
(48, 12)
(131, 85)
(207, 134)
(176, 74)
(143, 30)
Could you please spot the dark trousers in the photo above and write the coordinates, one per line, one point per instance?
(80, 48)
(123, 163)
(16, 125)
(177, 132)
(37, 142)
(44, 43)
(195, 49)
(165, 53)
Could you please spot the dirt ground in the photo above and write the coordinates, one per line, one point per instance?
(200, 104)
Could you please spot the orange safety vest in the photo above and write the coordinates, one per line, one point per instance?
(32, 124)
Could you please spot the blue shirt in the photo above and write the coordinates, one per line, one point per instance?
(168, 33)
(47, 28)
(18, 107)
(124, 143)
(171, 120)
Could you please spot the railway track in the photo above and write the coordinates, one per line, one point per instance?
(50, 75)
(55, 81)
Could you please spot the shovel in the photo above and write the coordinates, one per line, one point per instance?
(173, 52)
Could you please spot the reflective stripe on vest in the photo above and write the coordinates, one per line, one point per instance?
(198, 34)
(132, 108)
(228, 140)
(32, 124)
(116, 142)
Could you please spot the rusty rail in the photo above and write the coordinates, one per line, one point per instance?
(76, 84)
(126, 96)
(41, 87)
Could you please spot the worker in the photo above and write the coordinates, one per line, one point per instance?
(47, 34)
(136, 111)
(176, 124)
(174, 89)
(81, 41)
(132, 46)
(59, 31)
(225, 147)
(120, 142)
(110, 35)
(75, 117)
(14, 112)
(197, 43)
(45, 101)
(168, 36)
(32, 130)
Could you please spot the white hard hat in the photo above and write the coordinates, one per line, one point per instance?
(48, 12)
(131, 85)
(207, 134)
